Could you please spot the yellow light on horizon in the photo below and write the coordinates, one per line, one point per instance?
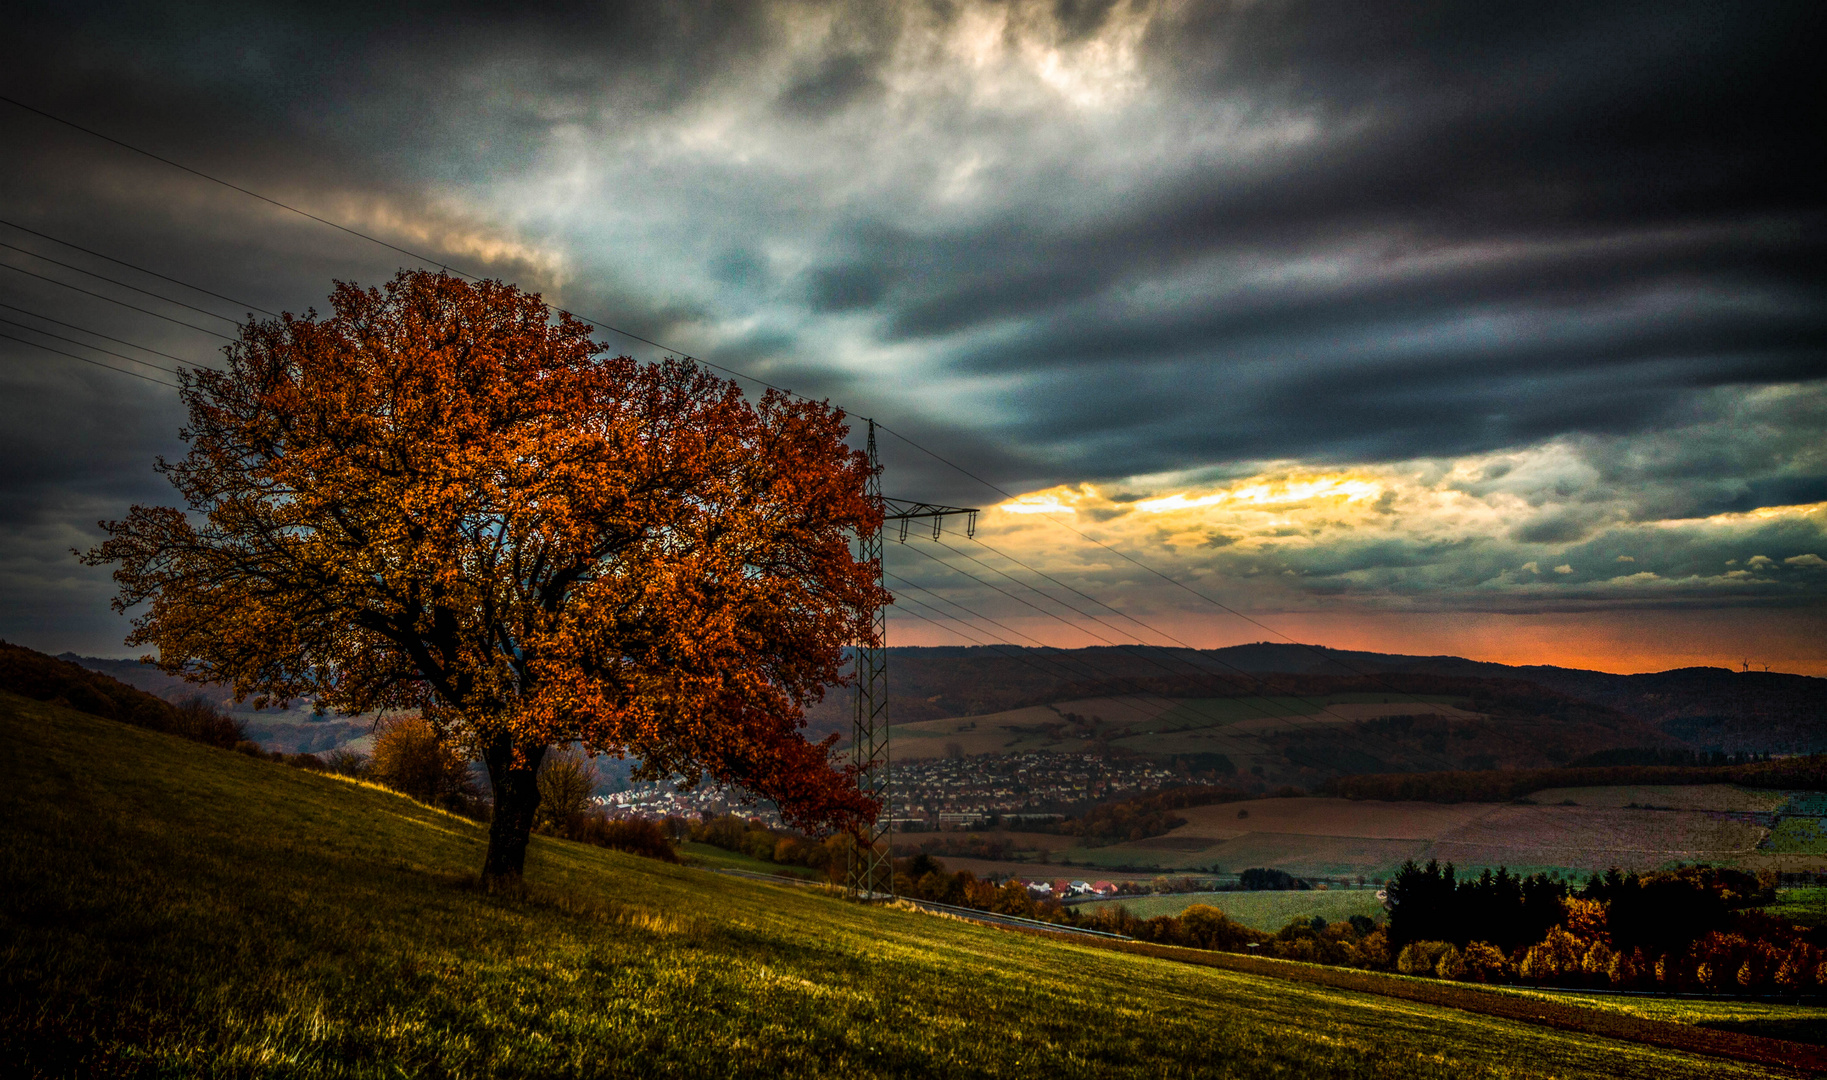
(1270, 493)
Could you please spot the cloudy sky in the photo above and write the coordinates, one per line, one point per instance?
(1473, 328)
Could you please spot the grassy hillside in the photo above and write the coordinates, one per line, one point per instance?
(172, 909)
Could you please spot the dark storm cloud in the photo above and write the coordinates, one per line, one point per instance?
(1061, 241)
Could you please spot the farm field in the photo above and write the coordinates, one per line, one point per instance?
(1345, 839)
(1156, 726)
(1012, 839)
(1307, 854)
(1806, 906)
(1329, 817)
(1079, 867)
(1594, 838)
(178, 910)
(1720, 797)
(1263, 910)
(1799, 836)
(1341, 838)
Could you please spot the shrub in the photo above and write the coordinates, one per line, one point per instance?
(200, 719)
(1258, 878)
(1421, 957)
(1482, 961)
(347, 763)
(637, 836)
(1205, 927)
(566, 780)
(1559, 955)
(410, 758)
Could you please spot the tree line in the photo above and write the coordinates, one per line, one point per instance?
(32, 674)
(1692, 928)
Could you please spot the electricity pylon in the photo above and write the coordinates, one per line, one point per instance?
(871, 869)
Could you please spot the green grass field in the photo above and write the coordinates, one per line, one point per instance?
(1798, 836)
(1262, 910)
(1805, 906)
(715, 858)
(173, 910)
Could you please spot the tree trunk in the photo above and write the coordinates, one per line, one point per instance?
(516, 790)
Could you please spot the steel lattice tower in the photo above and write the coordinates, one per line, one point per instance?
(871, 869)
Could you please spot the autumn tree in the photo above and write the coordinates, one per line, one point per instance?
(444, 497)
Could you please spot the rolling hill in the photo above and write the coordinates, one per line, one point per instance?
(1702, 708)
(173, 909)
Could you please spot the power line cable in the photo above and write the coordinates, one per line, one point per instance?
(1084, 671)
(1262, 704)
(1135, 687)
(1126, 557)
(86, 360)
(94, 333)
(86, 345)
(426, 259)
(1067, 622)
(112, 300)
(1197, 655)
(136, 266)
(1259, 679)
(122, 284)
(997, 642)
(1256, 678)
(1055, 668)
(215, 180)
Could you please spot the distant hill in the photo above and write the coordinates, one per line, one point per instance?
(1705, 708)
(36, 677)
(294, 730)
(1702, 708)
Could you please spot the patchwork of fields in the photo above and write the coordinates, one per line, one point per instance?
(1161, 727)
(1566, 830)
(1585, 829)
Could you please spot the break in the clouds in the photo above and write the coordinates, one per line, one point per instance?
(1454, 308)
(1573, 524)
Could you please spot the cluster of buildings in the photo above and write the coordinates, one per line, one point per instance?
(660, 801)
(1071, 890)
(1016, 789)
(1007, 789)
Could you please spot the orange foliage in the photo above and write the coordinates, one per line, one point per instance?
(441, 497)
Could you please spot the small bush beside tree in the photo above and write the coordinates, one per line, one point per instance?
(410, 758)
